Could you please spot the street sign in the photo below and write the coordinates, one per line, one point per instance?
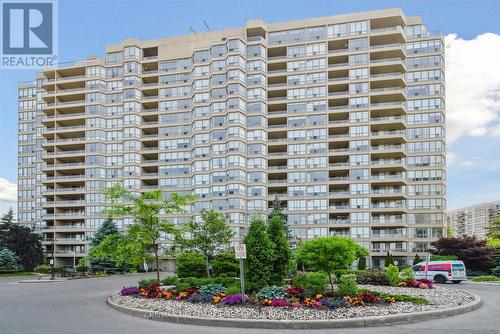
(240, 251)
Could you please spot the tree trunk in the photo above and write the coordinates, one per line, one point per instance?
(331, 281)
(157, 259)
(207, 266)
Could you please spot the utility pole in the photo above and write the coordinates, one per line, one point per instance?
(52, 261)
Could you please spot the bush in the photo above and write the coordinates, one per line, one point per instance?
(272, 292)
(226, 281)
(171, 280)
(373, 277)
(393, 275)
(225, 263)
(193, 282)
(234, 289)
(43, 269)
(340, 272)
(233, 299)
(398, 298)
(443, 258)
(347, 285)
(82, 268)
(312, 282)
(191, 265)
(496, 271)
(485, 279)
(145, 283)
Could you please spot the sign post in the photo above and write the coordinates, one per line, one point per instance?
(427, 259)
(240, 252)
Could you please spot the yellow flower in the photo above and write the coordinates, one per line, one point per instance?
(319, 295)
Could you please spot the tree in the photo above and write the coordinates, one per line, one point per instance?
(209, 235)
(277, 210)
(282, 253)
(9, 262)
(362, 263)
(145, 210)
(225, 263)
(25, 244)
(107, 228)
(260, 254)
(190, 264)
(417, 260)
(388, 260)
(6, 222)
(493, 235)
(475, 254)
(120, 249)
(329, 253)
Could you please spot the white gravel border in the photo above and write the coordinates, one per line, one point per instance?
(440, 298)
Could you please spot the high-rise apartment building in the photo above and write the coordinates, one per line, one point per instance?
(341, 117)
(473, 220)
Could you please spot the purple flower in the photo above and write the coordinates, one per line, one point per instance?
(233, 299)
(129, 291)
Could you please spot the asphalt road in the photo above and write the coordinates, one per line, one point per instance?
(79, 307)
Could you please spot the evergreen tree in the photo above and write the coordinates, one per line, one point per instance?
(417, 260)
(107, 228)
(5, 223)
(388, 260)
(9, 262)
(26, 245)
(362, 263)
(260, 254)
(282, 253)
(277, 210)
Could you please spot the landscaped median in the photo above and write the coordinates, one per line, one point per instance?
(292, 307)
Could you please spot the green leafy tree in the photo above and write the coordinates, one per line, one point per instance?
(9, 262)
(417, 260)
(281, 262)
(120, 249)
(107, 228)
(260, 254)
(329, 253)
(212, 233)
(225, 263)
(25, 244)
(6, 222)
(388, 260)
(190, 264)
(145, 210)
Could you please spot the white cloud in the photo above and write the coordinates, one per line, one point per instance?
(472, 86)
(456, 160)
(8, 191)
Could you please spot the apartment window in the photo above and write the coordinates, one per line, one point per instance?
(295, 51)
(360, 232)
(316, 64)
(358, 116)
(356, 88)
(296, 79)
(317, 162)
(358, 73)
(296, 163)
(316, 92)
(358, 159)
(294, 94)
(114, 58)
(360, 203)
(314, 78)
(360, 217)
(358, 145)
(359, 188)
(358, 44)
(316, 49)
(359, 174)
(293, 66)
(337, 30)
(358, 59)
(357, 28)
(358, 131)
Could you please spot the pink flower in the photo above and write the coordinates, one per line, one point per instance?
(316, 304)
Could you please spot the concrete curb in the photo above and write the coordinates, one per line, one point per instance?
(42, 281)
(302, 324)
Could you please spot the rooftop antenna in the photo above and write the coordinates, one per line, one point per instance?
(191, 29)
(206, 25)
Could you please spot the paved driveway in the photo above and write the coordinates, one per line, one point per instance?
(79, 307)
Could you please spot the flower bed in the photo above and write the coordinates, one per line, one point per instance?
(291, 303)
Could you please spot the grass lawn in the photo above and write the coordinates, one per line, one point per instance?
(16, 274)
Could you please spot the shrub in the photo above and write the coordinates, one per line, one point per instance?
(485, 279)
(225, 263)
(443, 258)
(43, 269)
(388, 260)
(312, 282)
(340, 272)
(211, 289)
(362, 263)
(226, 281)
(334, 303)
(200, 298)
(234, 289)
(103, 274)
(193, 282)
(145, 283)
(368, 297)
(496, 271)
(82, 268)
(272, 292)
(398, 298)
(347, 285)
(171, 280)
(393, 275)
(422, 281)
(191, 265)
(373, 277)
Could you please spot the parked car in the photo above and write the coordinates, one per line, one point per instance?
(441, 271)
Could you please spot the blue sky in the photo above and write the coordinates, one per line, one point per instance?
(86, 27)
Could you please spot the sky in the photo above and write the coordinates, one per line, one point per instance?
(472, 33)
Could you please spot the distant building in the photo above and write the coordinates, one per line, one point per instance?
(473, 220)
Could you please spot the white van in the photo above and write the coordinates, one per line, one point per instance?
(441, 271)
